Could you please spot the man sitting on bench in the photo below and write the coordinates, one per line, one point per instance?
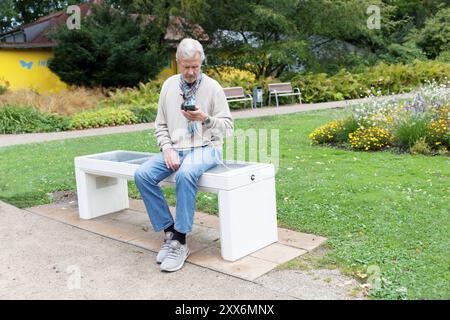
(193, 117)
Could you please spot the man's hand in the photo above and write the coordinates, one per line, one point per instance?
(197, 115)
(172, 159)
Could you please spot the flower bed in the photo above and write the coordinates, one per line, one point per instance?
(417, 125)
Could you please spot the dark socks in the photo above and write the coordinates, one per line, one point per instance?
(170, 228)
(180, 237)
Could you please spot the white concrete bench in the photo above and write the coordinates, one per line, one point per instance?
(234, 94)
(246, 194)
(283, 89)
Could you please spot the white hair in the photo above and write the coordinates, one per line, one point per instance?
(188, 49)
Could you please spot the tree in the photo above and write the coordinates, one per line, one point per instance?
(258, 36)
(8, 15)
(111, 49)
(16, 12)
(415, 12)
(270, 37)
(434, 38)
(162, 10)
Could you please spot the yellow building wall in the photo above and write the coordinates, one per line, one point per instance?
(28, 69)
(171, 67)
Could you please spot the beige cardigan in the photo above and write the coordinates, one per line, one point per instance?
(171, 127)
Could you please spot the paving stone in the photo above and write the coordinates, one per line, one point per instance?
(299, 240)
(247, 267)
(132, 226)
(278, 253)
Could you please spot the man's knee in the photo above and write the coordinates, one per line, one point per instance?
(183, 175)
(143, 176)
(138, 175)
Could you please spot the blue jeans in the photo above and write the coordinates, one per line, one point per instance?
(194, 162)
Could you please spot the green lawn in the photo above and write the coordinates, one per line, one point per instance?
(377, 209)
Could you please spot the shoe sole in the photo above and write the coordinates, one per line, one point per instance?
(180, 266)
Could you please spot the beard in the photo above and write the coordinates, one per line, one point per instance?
(190, 78)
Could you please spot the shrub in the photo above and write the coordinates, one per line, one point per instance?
(409, 128)
(408, 123)
(233, 77)
(65, 102)
(145, 94)
(111, 50)
(443, 151)
(336, 131)
(142, 100)
(433, 37)
(3, 86)
(444, 56)
(317, 87)
(370, 139)
(327, 133)
(406, 52)
(14, 119)
(348, 125)
(144, 114)
(447, 138)
(102, 118)
(382, 79)
(420, 147)
(438, 131)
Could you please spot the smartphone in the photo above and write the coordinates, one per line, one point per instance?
(189, 104)
(189, 107)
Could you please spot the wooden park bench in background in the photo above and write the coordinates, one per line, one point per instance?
(235, 94)
(283, 89)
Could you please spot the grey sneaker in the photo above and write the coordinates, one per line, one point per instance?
(175, 257)
(165, 247)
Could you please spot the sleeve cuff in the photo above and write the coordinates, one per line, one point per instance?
(210, 123)
(166, 146)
